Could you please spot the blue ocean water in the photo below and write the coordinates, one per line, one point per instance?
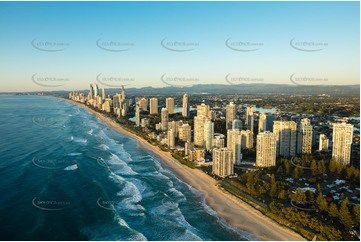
(66, 176)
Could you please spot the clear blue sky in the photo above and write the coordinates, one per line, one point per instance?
(206, 25)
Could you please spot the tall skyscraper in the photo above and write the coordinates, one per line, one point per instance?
(95, 89)
(208, 135)
(186, 107)
(137, 115)
(204, 110)
(199, 122)
(266, 149)
(323, 145)
(123, 93)
(91, 93)
(304, 139)
(342, 141)
(230, 114)
(185, 132)
(222, 162)
(234, 144)
(164, 119)
(169, 104)
(218, 141)
(153, 106)
(143, 104)
(237, 124)
(286, 133)
(249, 120)
(103, 94)
(265, 122)
(171, 138)
(246, 139)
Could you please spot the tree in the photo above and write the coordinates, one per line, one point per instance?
(300, 196)
(273, 191)
(333, 210)
(287, 166)
(350, 172)
(356, 214)
(282, 194)
(321, 202)
(296, 173)
(332, 166)
(313, 167)
(345, 216)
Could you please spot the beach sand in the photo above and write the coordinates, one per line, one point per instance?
(236, 212)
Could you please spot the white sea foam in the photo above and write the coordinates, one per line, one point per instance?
(71, 168)
(124, 168)
(90, 132)
(74, 154)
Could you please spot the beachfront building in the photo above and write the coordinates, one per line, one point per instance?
(185, 107)
(144, 122)
(324, 142)
(342, 141)
(137, 115)
(249, 119)
(208, 135)
(230, 114)
(153, 106)
(199, 122)
(234, 144)
(246, 139)
(185, 132)
(169, 104)
(266, 149)
(164, 119)
(286, 133)
(222, 162)
(171, 138)
(103, 94)
(304, 139)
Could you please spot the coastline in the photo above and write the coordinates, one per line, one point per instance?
(235, 212)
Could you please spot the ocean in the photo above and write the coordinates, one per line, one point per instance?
(65, 175)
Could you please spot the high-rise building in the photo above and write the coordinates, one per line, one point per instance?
(230, 114)
(171, 138)
(304, 139)
(218, 140)
(265, 122)
(185, 132)
(143, 104)
(186, 107)
(208, 135)
(145, 122)
(237, 124)
(222, 162)
(164, 119)
(342, 141)
(95, 89)
(246, 139)
(286, 133)
(249, 120)
(91, 93)
(123, 93)
(323, 145)
(103, 94)
(204, 110)
(106, 106)
(266, 149)
(153, 106)
(137, 115)
(199, 122)
(169, 104)
(234, 144)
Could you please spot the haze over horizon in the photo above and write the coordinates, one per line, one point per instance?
(49, 46)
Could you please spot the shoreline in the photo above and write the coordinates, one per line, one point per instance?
(234, 211)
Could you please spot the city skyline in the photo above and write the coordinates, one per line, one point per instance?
(160, 44)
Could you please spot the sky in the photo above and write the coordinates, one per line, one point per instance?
(48, 46)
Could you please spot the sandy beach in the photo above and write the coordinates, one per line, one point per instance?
(237, 213)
